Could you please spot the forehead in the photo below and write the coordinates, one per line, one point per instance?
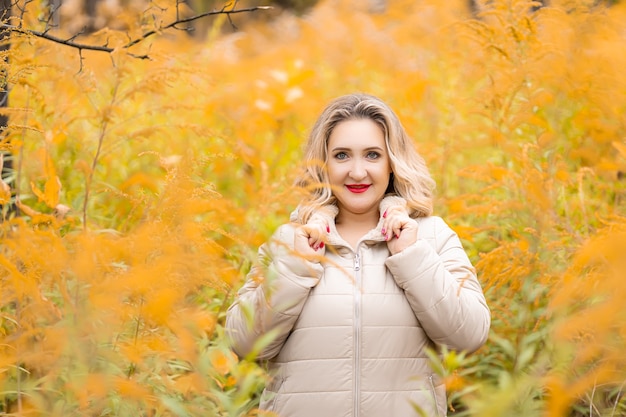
(356, 134)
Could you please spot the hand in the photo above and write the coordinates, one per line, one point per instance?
(399, 230)
(309, 239)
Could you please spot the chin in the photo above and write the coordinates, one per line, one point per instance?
(362, 209)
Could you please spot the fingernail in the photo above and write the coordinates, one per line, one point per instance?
(385, 214)
(327, 228)
(398, 236)
(383, 231)
(322, 245)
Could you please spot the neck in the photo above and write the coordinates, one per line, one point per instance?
(365, 221)
(352, 227)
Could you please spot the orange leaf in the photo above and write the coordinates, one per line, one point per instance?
(621, 148)
(52, 189)
(221, 361)
(36, 216)
(131, 389)
(5, 193)
(161, 305)
(40, 195)
(562, 175)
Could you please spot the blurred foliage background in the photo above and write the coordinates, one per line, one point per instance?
(136, 191)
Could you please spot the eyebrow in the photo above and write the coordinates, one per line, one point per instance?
(371, 148)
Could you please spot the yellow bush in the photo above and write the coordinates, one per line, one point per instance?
(145, 187)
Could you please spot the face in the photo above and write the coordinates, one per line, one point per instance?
(358, 166)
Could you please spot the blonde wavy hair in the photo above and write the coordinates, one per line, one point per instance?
(410, 178)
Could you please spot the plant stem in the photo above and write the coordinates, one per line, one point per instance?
(131, 368)
(94, 164)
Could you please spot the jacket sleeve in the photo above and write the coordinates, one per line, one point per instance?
(441, 286)
(272, 297)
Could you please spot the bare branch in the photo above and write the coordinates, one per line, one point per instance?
(103, 48)
(67, 42)
(230, 20)
(192, 18)
(50, 20)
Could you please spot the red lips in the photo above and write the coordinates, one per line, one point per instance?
(358, 188)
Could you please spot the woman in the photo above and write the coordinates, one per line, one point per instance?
(350, 294)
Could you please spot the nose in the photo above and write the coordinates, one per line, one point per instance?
(357, 170)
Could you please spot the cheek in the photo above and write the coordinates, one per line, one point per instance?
(385, 172)
(334, 173)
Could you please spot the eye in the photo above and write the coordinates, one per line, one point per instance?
(341, 156)
(373, 155)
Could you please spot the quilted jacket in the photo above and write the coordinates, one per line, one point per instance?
(347, 337)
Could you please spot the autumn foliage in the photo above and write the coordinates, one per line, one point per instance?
(145, 186)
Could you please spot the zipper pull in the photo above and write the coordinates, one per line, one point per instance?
(357, 262)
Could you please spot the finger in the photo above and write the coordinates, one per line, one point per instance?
(316, 235)
(394, 210)
(389, 225)
(315, 243)
(397, 230)
(397, 224)
(393, 216)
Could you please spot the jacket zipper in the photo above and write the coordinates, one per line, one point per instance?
(432, 388)
(357, 333)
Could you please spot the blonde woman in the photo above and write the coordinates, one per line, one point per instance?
(347, 297)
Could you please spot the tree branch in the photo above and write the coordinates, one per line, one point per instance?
(101, 48)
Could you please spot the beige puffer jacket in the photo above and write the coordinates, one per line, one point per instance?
(347, 337)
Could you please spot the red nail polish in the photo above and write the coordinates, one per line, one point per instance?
(327, 229)
(322, 245)
(385, 214)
